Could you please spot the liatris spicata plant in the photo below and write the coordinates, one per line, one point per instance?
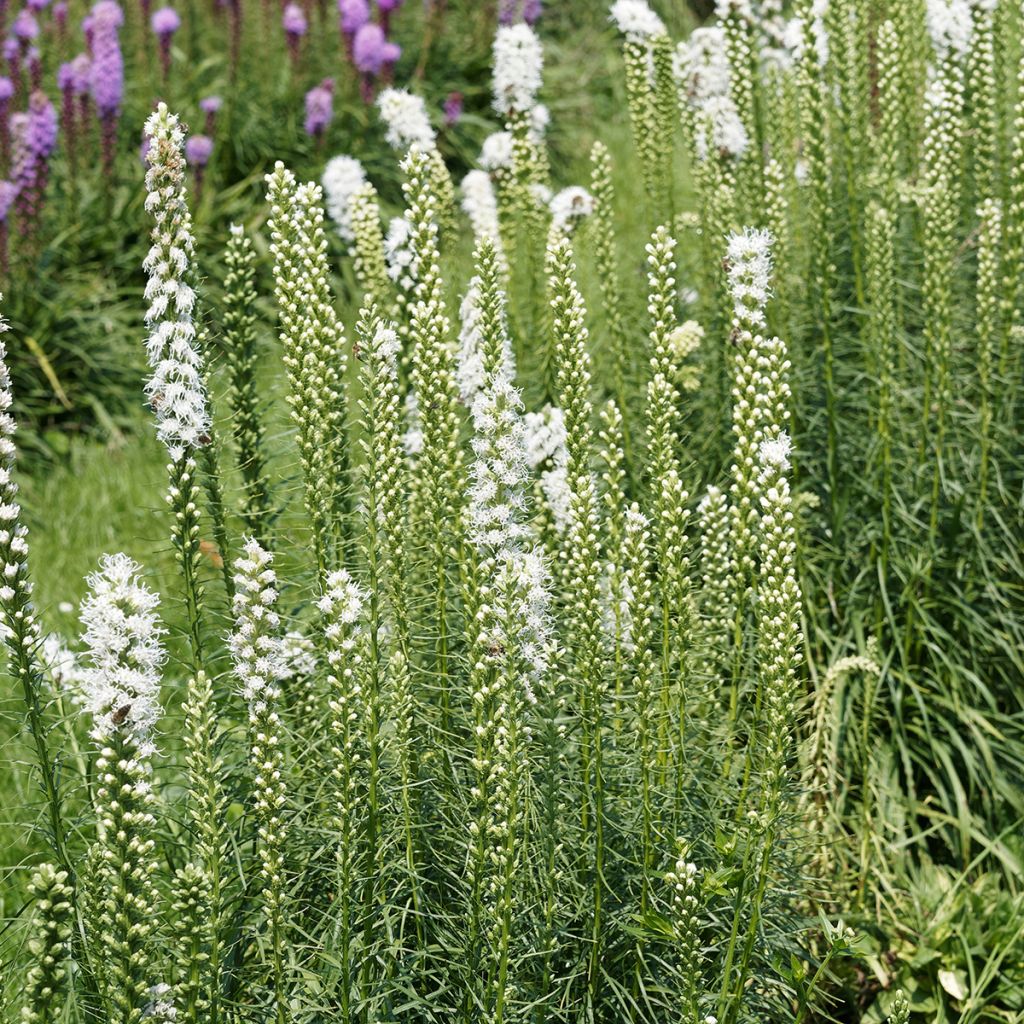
(34, 137)
(198, 150)
(343, 176)
(165, 22)
(210, 106)
(373, 56)
(352, 16)
(49, 946)
(293, 21)
(319, 109)
(120, 690)
(106, 75)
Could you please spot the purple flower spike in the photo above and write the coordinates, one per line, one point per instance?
(353, 15)
(60, 16)
(293, 21)
(106, 78)
(319, 108)
(37, 5)
(210, 105)
(35, 136)
(35, 67)
(198, 149)
(66, 78)
(386, 7)
(371, 51)
(25, 27)
(452, 109)
(81, 68)
(6, 89)
(532, 10)
(165, 22)
(8, 193)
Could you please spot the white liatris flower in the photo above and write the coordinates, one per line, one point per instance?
(950, 24)
(635, 19)
(408, 123)
(342, 178)
(570, 205)
(398, 253)
(775, 451)
(701, 65)
(255, 643)
(342, 606)
(518, 67)
(176, 390)
(481, 206)
(470, 372)
(412, 440)
(721, 129)
(121, 685)
(750, 265)
(546, 436)
(297, 656)
(531, 581)
(496, 152)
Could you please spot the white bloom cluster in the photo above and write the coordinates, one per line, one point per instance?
(413, 439)
(342, 605)
(160, 1009)
(749, 258)
(518, 67)
(546, 444)
(570, 205)
(398, 253)
(526, 573)
(775, 451)
(176, 390)
(500, 468)
(254, 642)
(701, 69)
(481, 205)
(470, 371)
(794, 34)
(950, 24)
(121, 685)
(297, 656)
(342, 178)
(13, 533)
(496, 152)
(635, 19)
(408, 123)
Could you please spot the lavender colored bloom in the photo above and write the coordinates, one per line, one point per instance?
(353, 15)
(293, 20)
(37, 5)
(165, 22)
(198, 149)
(8, 192)
(387, 6)
(371, 50)
(81, 67)
(107, 71)
(6, 89)
(25, 27)
(319, 108)
(11, 50)
(60, 14)
(35, 66)
(452, 109)
(35, 136)
(66, 77)
(210, 105)
(532, 10)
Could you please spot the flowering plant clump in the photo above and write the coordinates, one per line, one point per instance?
(586, 602)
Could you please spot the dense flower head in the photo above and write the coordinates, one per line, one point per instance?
(198, 149)
(6, 89)
(342, 602)
(702, 64)
(121, 685)
(255, 643)
(950, 25)
(480, 205)
(81, 68)
(165, 22)
(342, 178)
(8, 193)
(405, 115)
(775, 451)
(66, 77)
(25, 27)
(518, 67)
(107, 68)
(398, 253)
(293, 20)
(636, 20)
(210, 104)
(749, 260)
(353, 15)
(38, 127)
(176, 389)
(387, 6)
(720, 129)
(319, 107)
(496, 152)
(372, 51)
(453, 105)
(570, 205)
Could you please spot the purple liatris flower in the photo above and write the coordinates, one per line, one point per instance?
(66, 84)
(198, 149)
(452, 109)
(35, 67)
(511, 11)
(106, 77)
(25, 27)
(352, 16)
(6, 95)
(210, 105)
(165, 22)
(35, 136)
(60, 19)
(319, 108)
(371, 51)
(37, 5)
(293, 21)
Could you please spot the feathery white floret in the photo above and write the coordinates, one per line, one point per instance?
(255, 643)
(570, 205)
(398, 253)
(750, 265)
(635, 19)
(405, 115)
(518, 68)
(950, 25)
(121, 684)
(176, 390)
(342, 178)
(481, 207)
(775, 451)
